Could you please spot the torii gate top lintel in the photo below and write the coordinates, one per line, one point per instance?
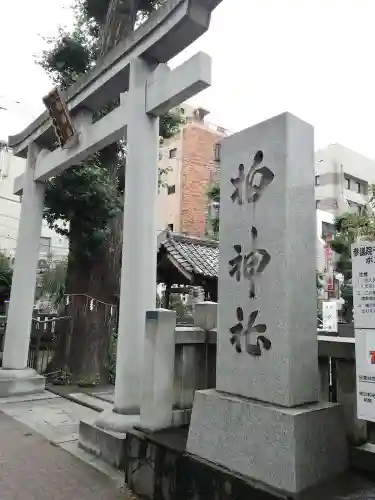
(167, 32)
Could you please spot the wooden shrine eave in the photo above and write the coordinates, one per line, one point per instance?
(167, 32)
(187, 260)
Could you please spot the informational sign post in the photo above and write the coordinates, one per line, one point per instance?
(363, 264)
(329, 316)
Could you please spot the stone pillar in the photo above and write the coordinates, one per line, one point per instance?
(15, 378)
(138, 272)
(158, 370)
(264, 413)
(205, 315)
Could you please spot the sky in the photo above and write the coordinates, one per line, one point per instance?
(313, 58)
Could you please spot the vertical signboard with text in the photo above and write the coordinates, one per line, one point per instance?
(329, 310)
(363, 263)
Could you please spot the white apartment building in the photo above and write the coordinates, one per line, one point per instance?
(10, 207)
(342, 179)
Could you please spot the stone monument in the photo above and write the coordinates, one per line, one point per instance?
(263, 420)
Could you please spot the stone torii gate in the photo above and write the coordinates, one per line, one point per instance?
(137, 70)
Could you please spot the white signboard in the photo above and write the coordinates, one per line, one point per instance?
(329, 316)
(365, 368)
(363, 264)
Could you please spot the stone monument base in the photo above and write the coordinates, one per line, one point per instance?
(20, 382)
(289, 449)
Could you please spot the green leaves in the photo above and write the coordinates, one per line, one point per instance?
(214, 193)
(87, 197)
(68, 59)
(6, 274)
(52, 283)
(170, 124)
(349, 227)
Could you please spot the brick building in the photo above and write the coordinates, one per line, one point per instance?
(182, 202)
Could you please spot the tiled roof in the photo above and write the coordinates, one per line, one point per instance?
(197, 256)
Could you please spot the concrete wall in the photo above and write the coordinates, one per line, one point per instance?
(10, 207)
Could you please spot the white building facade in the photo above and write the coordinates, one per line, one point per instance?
(51, 244)
(342, 179)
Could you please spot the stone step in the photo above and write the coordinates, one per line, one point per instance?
(92, 402)
(10, 387)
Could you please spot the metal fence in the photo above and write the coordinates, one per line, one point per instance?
(51, 333)
(47, 331)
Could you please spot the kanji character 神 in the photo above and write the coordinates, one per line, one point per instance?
(252, 263)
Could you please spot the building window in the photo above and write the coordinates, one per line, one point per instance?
(356, 207)
(317, 180)
(170, 227)
(171, 189)
(317, 204)
(173, 153)
(358, 187)
(45, 245)
(182, 111)
(347, 182)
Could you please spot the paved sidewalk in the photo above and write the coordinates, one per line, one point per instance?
(31, 468)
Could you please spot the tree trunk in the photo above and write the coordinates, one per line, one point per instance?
(84, 352)
(120, 20)
(86, 347)
(93, 322)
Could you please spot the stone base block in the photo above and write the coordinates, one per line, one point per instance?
(106, 444)
(289, 449)
(105, 437)
(20, 382)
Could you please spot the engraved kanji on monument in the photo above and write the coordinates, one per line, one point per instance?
(267, 348)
